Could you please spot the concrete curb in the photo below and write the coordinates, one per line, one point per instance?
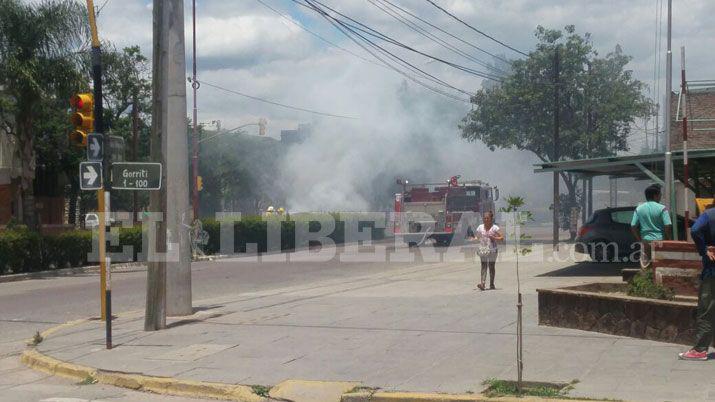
(387, 396)
(139, 382)
(120, 267)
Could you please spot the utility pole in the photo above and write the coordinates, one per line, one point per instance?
(686, 173)
(169, 275)
(669, 199)
(135, 148)
(155, 313)
(555, 156)
(175, 151)
(195, 136)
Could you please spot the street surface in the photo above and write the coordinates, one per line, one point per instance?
(418, 326)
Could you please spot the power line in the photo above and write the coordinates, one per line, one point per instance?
(346, 32)
(270, 102)
(99, 10)
(475, 29)
(423, 32)
(303, 27)
(444, 32)
(349, 32)
(377, 34)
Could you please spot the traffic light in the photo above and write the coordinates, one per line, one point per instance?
(82, 118)
(199, 183)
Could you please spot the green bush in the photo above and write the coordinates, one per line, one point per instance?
(253, 230)
(20, 251)
(643, 285)
(68, 249)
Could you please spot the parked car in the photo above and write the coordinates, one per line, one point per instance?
(606, 236)
(91, 221)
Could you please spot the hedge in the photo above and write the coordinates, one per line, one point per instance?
(22, 250)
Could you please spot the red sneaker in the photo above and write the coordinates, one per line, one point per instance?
(693, 354)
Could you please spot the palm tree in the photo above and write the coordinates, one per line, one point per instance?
(39, 61)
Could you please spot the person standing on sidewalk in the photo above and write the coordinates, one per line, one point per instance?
(488, 234)
(651, 222)
(703, 233)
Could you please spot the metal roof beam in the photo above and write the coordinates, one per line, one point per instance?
(650, 174)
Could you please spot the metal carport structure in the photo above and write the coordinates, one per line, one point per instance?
(640, 167)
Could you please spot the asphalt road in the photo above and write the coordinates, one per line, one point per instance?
(37, 304)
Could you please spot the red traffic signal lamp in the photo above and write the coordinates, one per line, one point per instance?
(82, 118)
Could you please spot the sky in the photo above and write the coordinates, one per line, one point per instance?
(245, 46)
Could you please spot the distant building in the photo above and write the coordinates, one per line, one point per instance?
(700, 104)
(296, 136)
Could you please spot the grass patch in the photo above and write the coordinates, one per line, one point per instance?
(509, 388)
(361, 388)
(261, 390)
(89, 380)
(500, 388)
(36, 339)
(643, 285)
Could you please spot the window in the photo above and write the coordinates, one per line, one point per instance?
(622, 217)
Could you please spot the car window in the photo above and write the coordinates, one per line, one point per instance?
(622, 217)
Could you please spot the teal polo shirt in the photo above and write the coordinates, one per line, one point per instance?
(652, 218)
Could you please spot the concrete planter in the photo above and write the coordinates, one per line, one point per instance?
(604, 307)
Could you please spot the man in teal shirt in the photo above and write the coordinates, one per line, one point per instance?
(651, 222)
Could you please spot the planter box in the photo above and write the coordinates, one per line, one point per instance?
(603, 307)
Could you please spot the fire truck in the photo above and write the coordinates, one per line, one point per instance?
(433, 210)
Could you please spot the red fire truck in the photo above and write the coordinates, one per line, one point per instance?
(433, 210)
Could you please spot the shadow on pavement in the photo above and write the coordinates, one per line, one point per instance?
(588, 268)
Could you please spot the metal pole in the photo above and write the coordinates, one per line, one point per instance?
(556, 147)
(108, 277)
(135, 150)
(669, 197)
(98, 113)
(195, 137)
(686, 173)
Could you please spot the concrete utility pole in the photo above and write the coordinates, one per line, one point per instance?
(556, 156)
(169, 278)
(667, 121)
(195, 136)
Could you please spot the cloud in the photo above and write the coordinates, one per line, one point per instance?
(246, 47)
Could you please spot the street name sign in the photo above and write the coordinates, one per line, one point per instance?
(95, 147)
(136, 176)
(90, 175)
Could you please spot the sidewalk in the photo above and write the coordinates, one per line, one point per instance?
(422, 328)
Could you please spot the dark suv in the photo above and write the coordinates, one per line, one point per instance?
(606, 236)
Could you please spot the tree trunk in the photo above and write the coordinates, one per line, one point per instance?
(27, 158)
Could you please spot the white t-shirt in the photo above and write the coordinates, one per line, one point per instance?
(484, 239)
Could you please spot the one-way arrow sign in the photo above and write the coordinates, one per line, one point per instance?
(95, 147)
(90, 175)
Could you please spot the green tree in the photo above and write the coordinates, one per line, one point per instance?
(599, 101)
(38, 64)
(126, 78)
